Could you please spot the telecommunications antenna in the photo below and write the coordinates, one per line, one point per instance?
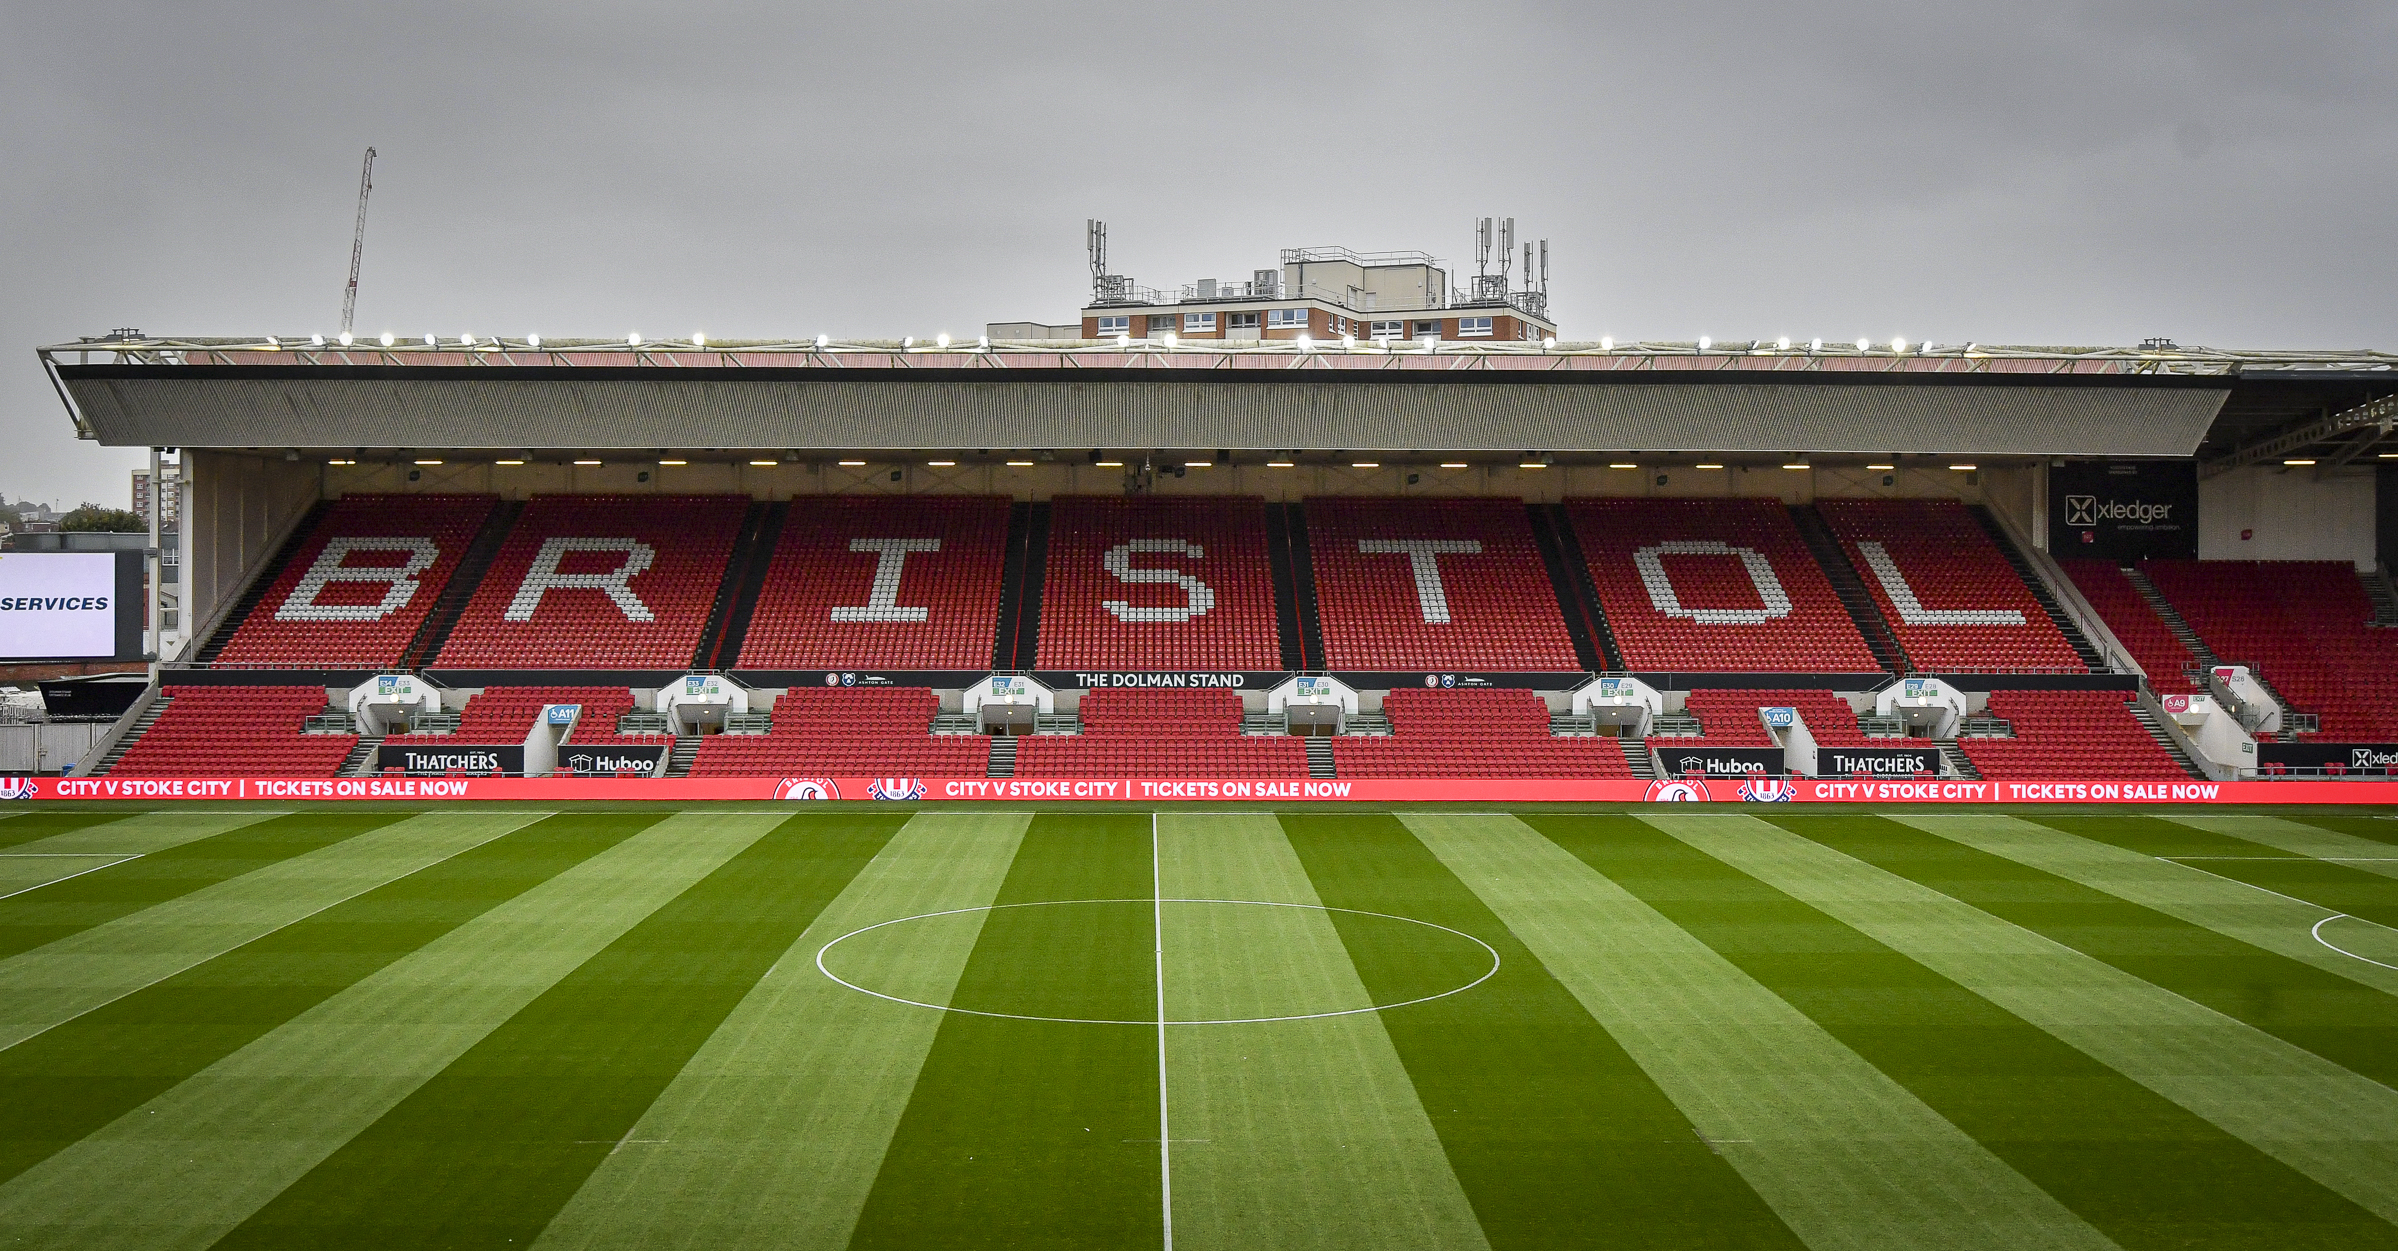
(349, 295)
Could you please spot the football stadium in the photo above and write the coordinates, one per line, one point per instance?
(1244, 770)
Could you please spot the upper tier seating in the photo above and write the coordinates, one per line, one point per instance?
(870, 731)
(225, 731)
(1161, 733)
(2070, 736)
(2136, 625)
(1158, 583)
(1730, 716)
(1722, 585)
(1477, 733)
(1434, 584)
(360, 585)
(882, 582)
(2301, 624)
(600, 582)
(1950, 596)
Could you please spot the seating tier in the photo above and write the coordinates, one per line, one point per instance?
(600, 582)
(361, 584)
(2302, 625)
(1162, 733)
(1434, 584)
(874, 732)
(2134, 624)
(1481, 733)
(882, 582)
(1950, 596)
(1730, 716)
(1158, 583)
(251, 731)
(2070, 736)
(1724, 585)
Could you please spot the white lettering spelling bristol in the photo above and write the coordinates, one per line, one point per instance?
(331, 566)
(1199, 596)
(1423, 556)
(882, 595)
(544, 576)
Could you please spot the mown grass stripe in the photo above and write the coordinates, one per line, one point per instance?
(2278, 855)
(57, 911)
(141, 833)
(2359, 841)
(91, 968)
(1040, 1133)
(2324, 1121)
(1558, 1137)
(777, 1126)
(194, 1162)
(1290, 1134)
(28, 827)
(487, 1151)
(1845, 1155)
(2143, 1170)
(74, 1079)
(2235, 949)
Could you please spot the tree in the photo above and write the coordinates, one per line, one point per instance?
(93, 517)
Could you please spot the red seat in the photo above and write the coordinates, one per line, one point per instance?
(1158, 583)
(1482, 733)
(1161, 733)
(2302, 626)
(249, 731)
(1481, 600)
(2134, 623)
(1951, 598)
(372, 569)
(822, 606)
(2070, 736)
(869, 731)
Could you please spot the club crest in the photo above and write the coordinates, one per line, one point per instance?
(807, 788)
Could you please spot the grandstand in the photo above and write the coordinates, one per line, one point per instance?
(1460, 534)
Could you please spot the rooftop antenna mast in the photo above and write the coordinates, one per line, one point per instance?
(349, 295)
(1095, 237)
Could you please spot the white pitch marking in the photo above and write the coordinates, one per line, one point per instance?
(1487, 974)
(2317, 929)
(122, 857)
(1165, 1132)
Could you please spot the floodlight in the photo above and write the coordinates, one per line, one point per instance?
(1969, 467)
(698, 339)
(432, 341)
(1798, 464)
(1123, 340)
(1815, 344)
(1305, 344)
(1706, 466)
(823, 341)
(507, 462)
(316, 340)
(1171, 339)
(344, 336)
(1279, 464)
(1454, 464)
(1531, 464)
(674, 462)
(1782, 344)
(1881, 466)
(1198, 464)
(942, 339)
(633, 339)
(341, 462)
(1606, 343)
(1365, 464)
(942, 464)
(907, 343)
(466, 340)
(1705, 343)
(428, 462)
(1898, 345)
(1549, 344)
(764, 464)
(1864, 344)
(270, 342)
(586, 462)
(852, 464)
(387, 339)
(533, 340)
(2301, 461)
(1019, 464)
(982, 343)
(1109, 464)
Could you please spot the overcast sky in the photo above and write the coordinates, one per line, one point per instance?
(2039, 172)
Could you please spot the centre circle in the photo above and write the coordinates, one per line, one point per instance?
(1073, 972)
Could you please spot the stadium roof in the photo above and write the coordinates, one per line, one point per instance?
(825, 395)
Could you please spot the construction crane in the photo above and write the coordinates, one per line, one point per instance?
(349, 295)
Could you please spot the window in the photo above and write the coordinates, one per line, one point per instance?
(1198, 323)
(1424, 328)
(1286, 318)
(1384, 330)
(1161, 323)
(1119, 324)
(1240, 321)
(1473, 327)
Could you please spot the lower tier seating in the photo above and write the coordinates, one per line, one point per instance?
(1730, 716)
(1474, 734)
(2134, 623)
(848, 731)
(2302, 625)
(251, 731)
(2070, 736)
(1169, 733)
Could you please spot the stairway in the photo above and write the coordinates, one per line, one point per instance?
(141, 726)
(2148, 721)
(686, 750)
(1003, 757)
(1576, 607)
(1319, 758)
(1862, 611)
(1303, 584)
(1286, 592)
(354, 765)
(2384, 595)
(2041, 591)
(1637, 755)
(1031, 569)
(471, 568)
(1958, 764)
(2165, 612)
(745, 580)
(1577, 572)
(223, 634)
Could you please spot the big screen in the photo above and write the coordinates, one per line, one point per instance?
(70, 605)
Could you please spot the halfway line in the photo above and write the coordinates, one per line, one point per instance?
(1165, 1133)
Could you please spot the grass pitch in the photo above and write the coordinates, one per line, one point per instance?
(890, 1027)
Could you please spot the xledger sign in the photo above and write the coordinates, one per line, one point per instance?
(71, 605)
(2123, 510)
(1203, 790)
